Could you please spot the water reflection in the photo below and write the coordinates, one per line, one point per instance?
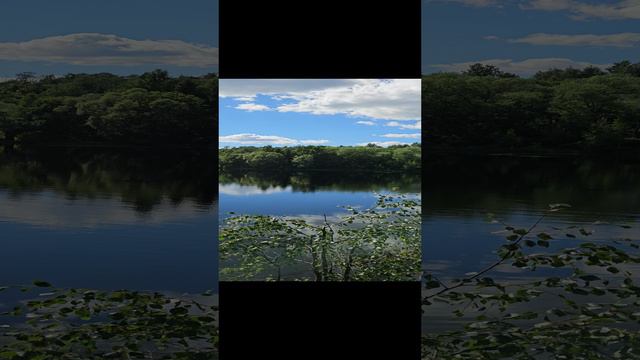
(308, 194)
(109, 218)
(464, 186)
(459, 237)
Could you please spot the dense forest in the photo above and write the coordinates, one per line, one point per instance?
(588, 109)
(297, 158)
(152, 108)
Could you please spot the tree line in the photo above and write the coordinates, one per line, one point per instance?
(151, 108)
(298, 158)
(569, 108)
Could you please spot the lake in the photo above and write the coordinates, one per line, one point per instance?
(311, 193)
(109, 218)
(310, 196)
(460, 191)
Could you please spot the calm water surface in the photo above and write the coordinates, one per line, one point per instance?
(460, 193)
(458, 236)
(109, 219)
(312, 194)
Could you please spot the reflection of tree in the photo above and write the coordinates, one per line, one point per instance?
(311, 181)
(497, 183)
(140, 177)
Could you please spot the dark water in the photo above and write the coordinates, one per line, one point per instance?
(109, 219)
(312, 194)
(458, 236)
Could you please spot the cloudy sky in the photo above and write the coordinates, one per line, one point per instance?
(118, 36)
(524, 36)
(319, 112)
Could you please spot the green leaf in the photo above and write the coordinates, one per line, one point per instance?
(543, 243)
(83, 313)
(589, 278)
(544, 236)
(613, 269)
(8, 354)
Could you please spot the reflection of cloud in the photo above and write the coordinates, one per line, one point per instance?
(54, 210)
(255, 139)
(317, 219)
(438, 266)
(245, 190)
(106, 49)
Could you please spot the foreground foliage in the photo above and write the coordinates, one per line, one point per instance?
(377, 244)
(87, 324)
(583, 302)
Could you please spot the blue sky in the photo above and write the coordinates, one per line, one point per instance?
(524, 36)
(118, 36)
(319, 112)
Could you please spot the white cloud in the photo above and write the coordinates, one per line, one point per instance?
(384, 143)
(368, 123)
(106, 49)
(548, 5)
(616, 40)
(525, 67)
(245, 98)
(476, 3)
(416, 126)
(375, 99)
(402, 136)
(255, 139)
(250, 88)
(252, 107)
(580, 10)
